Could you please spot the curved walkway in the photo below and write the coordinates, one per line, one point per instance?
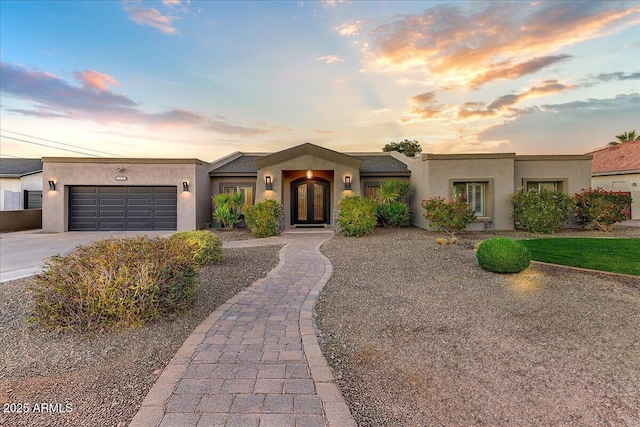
(255, 361)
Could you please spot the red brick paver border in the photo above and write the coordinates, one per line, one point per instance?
(256, 361)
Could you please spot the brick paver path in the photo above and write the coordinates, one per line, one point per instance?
(255, 362)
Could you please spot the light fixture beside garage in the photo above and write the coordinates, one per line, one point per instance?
(267, 182)
(52, 185)
(185, 185)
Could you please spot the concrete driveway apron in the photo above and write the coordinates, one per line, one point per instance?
(255, 361)
(23, 253)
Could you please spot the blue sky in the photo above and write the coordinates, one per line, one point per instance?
(203, 79)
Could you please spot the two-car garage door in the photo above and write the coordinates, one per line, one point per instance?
(114, 208)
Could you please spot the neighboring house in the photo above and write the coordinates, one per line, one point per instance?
(617, 168)
(308, 180)
(20, 184)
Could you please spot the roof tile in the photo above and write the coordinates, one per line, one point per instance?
(618, 158)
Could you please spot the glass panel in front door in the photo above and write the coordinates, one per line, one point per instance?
(302, 202)
(318, 202)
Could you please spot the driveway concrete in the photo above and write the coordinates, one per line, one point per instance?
(22, 253)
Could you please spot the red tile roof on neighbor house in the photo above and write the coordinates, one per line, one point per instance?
(618, 158)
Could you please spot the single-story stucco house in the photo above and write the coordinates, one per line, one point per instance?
(617, 168)
(308, 180)
(20, 184)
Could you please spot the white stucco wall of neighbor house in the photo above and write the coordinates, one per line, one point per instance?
(10, 194)
(12, 190)
(622, 182)
(66, 172)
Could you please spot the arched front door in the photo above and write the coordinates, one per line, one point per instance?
(310, 201)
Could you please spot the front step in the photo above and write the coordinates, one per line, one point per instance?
(310, 225)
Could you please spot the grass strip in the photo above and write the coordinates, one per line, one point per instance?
(606, 254)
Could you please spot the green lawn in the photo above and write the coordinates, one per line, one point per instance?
(614, 255)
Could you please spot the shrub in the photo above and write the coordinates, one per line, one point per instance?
(263, 218)
(393, 214)
(449, 217)
(503, 255)
(114, 282)
(540, 212)
(227, 209)
(357, 216)
(205, 247)
(600, 209)
(392, 209)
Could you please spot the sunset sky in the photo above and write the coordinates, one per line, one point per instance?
(203, 79)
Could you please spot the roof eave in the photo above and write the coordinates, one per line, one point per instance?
(623, 172)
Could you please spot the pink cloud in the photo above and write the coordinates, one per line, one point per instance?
(52, 97)
(95, 80)
(503, 104)
(152, 17)
(474, 45)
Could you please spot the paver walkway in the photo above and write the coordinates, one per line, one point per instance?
(255, 361)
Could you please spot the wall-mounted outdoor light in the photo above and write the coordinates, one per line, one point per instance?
(347, 182)
(309, 174)
(52, 186)
(185, 185)
(268, 183)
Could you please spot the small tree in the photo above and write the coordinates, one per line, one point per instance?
(450, 217)
(600, 209)
(407, 147)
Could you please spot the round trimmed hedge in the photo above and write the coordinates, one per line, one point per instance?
(503, 255)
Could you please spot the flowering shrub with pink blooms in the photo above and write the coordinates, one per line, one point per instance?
(449, 217)
(600, 209)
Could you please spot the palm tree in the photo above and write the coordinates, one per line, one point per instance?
(625, 137)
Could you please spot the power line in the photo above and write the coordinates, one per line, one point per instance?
(49, 146)
(61, 143)
(9, 155)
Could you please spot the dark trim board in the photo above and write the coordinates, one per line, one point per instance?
(122, 208)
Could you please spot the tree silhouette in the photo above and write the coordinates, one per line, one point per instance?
(407, 147)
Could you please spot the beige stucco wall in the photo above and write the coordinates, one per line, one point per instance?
(283, 173)
(433, 175)
(573, 171)
(623, 182)
(66, 172)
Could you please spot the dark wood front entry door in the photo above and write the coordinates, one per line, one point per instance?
(310, 201)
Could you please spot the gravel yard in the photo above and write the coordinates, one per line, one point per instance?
(100, 379)
(419, 335)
